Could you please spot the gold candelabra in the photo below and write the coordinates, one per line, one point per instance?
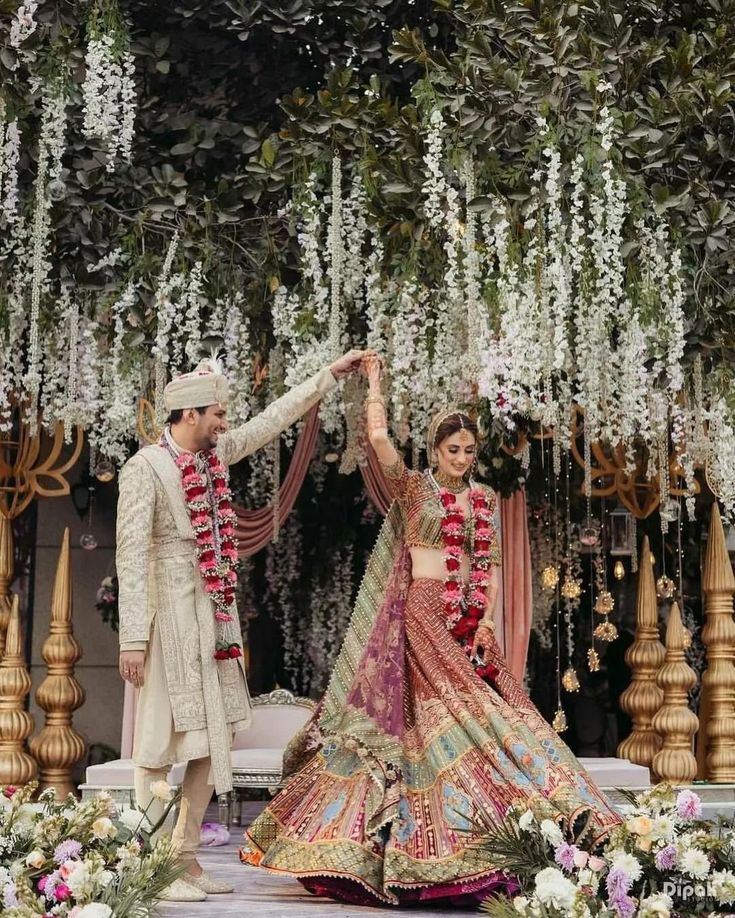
(16, 724)
(642, 699)
(58, 747)
(674, 721)
(718, 636)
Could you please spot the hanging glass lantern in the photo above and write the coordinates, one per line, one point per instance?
(619, 570)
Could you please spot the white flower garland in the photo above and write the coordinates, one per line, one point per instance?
(51, 147)
(108, 92)
(23, 25)
(435, 187)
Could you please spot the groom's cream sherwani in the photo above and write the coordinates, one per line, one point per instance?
(190, 705)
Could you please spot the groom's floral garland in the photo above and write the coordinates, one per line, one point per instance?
(209, 502)
(465, 605)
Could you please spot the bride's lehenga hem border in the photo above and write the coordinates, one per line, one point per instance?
(484, 881)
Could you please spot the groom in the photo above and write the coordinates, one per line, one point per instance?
(180, 641)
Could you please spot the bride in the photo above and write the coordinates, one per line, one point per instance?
(423, 737)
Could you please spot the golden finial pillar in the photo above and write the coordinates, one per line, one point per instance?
(16, 724)
(642, 699)
(6, 577)
(675, 762)
(718, 636)
(58, 747)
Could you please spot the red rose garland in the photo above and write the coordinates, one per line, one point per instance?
(464, 605)
(209, 502)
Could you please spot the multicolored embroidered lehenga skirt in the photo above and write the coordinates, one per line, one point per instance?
(356, 826)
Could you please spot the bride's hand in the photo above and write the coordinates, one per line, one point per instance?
(483, 638)
(371, 365)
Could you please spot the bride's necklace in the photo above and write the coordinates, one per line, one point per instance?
(452, 483)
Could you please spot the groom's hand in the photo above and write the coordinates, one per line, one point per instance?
(132, 666)
(349, 363)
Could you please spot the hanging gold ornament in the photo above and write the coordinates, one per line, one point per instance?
(593, 660)
(606, 631)
(605, 603)
(559, 723)
(619, 570)
(550, 577)
(665, 587)
(571, 589)
(569, 680)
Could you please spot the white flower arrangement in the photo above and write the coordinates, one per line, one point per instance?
(659, 861)
(72, 858)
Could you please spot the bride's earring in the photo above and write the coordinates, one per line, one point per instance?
(434, 459)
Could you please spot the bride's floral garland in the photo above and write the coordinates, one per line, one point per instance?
(209, 503)
(465, 604)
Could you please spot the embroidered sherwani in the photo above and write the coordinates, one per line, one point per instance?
(190, 704)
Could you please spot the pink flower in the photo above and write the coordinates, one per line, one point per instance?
(9, 791)
(478, 598)
(596, 863)
(688, 805)
(214, 586)
(223, 616)
(62, 892)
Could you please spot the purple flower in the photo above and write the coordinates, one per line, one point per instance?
(67, 851)
(618, 882)
(688, 805)
(10, 900)
(564, 856)
(623, 905)
(666, 858)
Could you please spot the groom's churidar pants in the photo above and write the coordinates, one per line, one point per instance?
(196, 790)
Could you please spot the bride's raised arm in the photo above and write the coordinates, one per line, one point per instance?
(377, 422)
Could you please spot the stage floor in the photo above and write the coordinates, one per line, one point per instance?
(259, 894)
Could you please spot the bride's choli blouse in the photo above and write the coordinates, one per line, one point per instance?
(422, 514)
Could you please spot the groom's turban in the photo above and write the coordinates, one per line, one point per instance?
(204, 386)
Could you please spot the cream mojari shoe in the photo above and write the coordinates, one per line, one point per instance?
(208, 884)
(183, 891)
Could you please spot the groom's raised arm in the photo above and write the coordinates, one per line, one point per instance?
(244, 440)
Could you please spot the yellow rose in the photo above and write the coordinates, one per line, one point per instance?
(640, 825)
(103, 828)
(162, 790)
(36, 859)
(644, 843)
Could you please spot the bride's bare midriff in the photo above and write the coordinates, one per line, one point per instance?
(428, 563)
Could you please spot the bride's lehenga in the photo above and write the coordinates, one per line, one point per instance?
(410, 752)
